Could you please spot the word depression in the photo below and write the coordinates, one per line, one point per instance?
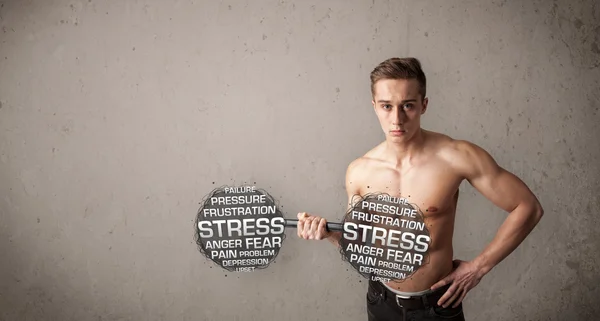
(385, 238)
(240, 228)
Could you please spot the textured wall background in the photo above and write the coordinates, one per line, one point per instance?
(116, 117)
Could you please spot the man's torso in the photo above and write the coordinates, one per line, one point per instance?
(428, 181)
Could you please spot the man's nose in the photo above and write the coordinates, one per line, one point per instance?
(399, 116)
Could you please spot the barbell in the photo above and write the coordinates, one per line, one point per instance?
(241, 229)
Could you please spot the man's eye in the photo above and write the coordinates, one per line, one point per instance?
(408, 106)
(387, 106)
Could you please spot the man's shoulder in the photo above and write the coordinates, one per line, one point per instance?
(360, 165)
(462, 155)
(446, 145)
(358, 169)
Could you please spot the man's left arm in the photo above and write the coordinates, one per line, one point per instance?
(506, 191)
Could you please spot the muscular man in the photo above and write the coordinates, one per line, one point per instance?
(427, 168)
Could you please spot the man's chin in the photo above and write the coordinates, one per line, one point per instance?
(398, 138)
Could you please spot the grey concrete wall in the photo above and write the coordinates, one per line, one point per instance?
(116, 117)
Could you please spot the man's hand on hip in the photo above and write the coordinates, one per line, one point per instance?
(464, 277)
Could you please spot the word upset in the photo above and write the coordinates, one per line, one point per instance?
(385, 238)
(240, 228)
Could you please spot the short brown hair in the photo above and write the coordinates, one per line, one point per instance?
(400, 68)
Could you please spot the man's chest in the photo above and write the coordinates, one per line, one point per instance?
(432, 188)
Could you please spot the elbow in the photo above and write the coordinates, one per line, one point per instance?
(538, 213)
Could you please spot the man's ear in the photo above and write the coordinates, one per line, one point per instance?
(425, 102)
(373, 102)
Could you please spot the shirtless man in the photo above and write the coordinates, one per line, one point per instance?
(429, 167)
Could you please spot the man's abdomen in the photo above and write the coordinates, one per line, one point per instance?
(436, 267)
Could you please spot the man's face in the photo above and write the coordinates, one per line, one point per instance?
(398, 106)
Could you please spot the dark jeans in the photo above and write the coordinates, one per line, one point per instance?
(383, 306)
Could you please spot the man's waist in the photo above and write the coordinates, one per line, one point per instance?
(410, 300)
(405, 294)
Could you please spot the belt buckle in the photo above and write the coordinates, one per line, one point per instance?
(398, 297)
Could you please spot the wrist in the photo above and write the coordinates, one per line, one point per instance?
(482, 265)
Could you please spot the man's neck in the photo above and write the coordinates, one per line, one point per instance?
(402, 153)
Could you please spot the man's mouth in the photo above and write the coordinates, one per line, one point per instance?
(397, 132)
